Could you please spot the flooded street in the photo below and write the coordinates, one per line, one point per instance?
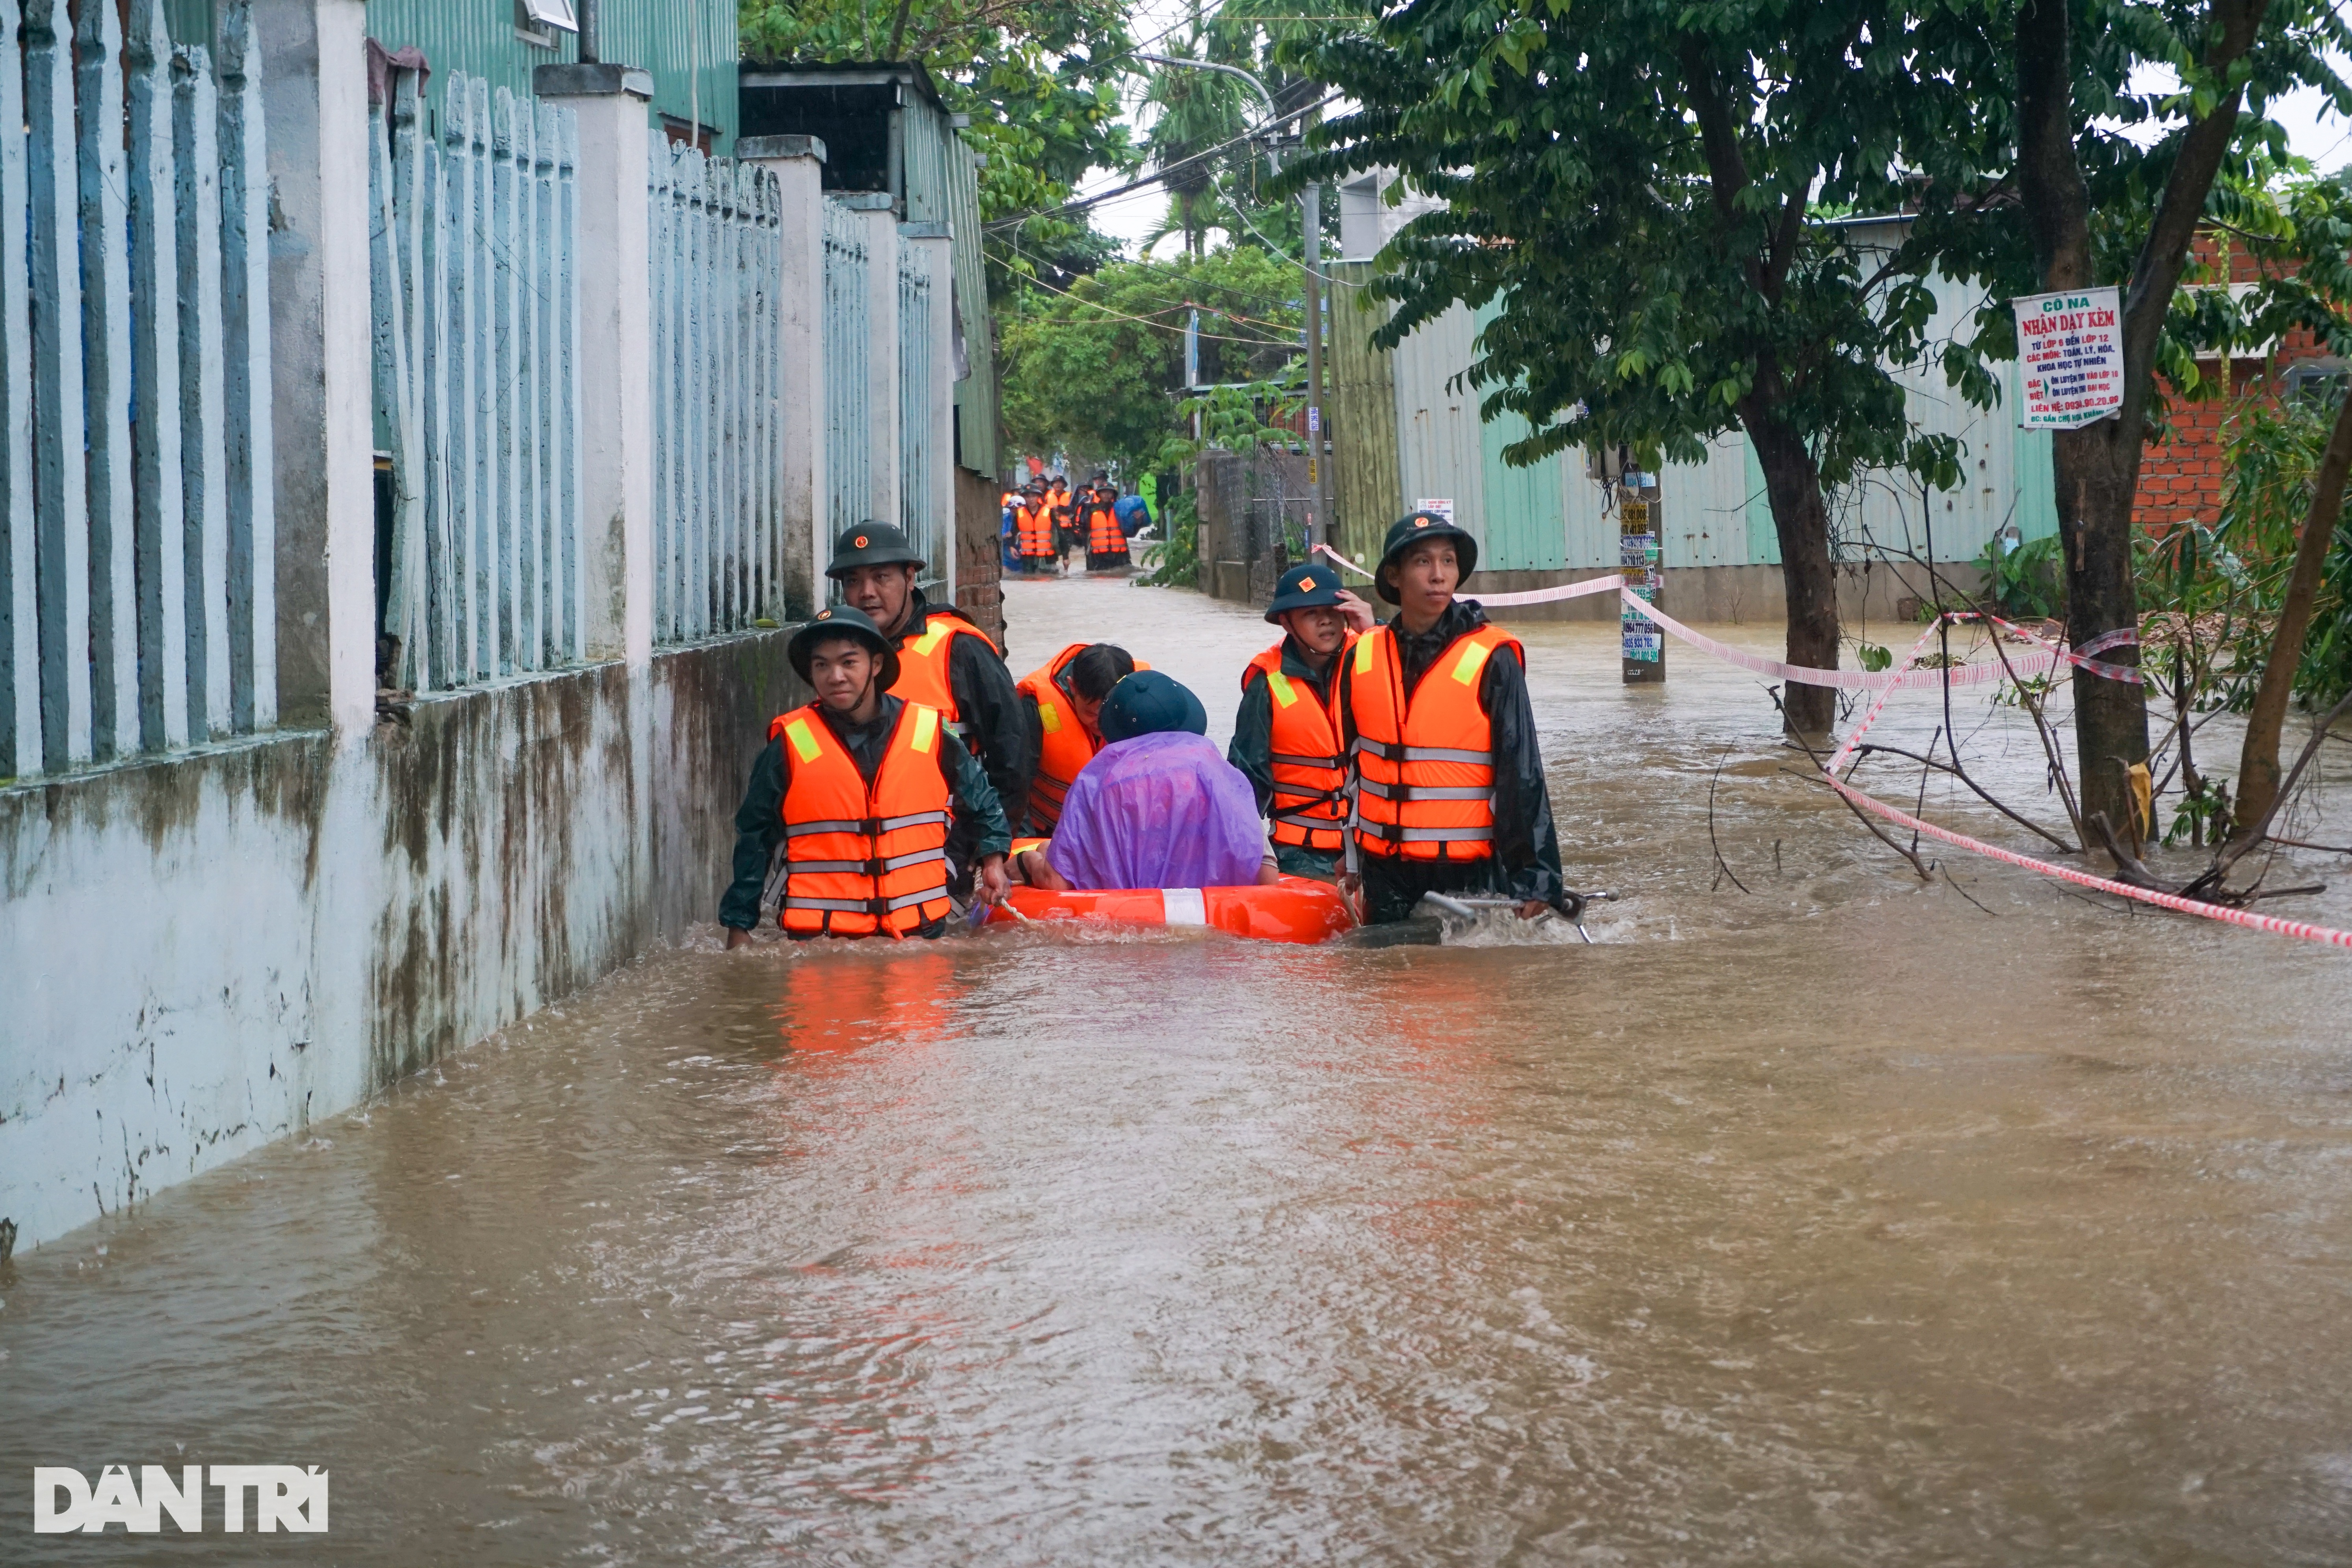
(1844, 1219)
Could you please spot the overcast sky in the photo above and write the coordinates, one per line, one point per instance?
(2315, 131)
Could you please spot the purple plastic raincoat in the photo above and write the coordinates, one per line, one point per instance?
(1159, 811)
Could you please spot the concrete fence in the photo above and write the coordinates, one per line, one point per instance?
(716, 382)
(848, 386)
(475, 312)
(136, 599)
(290, 885)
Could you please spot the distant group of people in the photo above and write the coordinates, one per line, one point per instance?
(1043, 521)
(1394, 758)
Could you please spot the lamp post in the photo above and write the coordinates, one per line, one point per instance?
(1310, 202)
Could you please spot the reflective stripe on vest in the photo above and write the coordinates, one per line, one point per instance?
(1425, 767)
(1310, 771)
(864, 859)
(923, 667)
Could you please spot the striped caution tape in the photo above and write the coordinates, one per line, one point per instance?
(1904, 677)
(1808, 675)
(1839, 762)
(2221, 913)
(1607, 584)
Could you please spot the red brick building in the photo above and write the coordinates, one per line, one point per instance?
(2181, 474)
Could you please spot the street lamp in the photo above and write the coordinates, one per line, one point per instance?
(1310, 200)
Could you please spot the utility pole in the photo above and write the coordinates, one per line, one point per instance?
(1319, 515)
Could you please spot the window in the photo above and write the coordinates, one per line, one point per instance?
(2320, 381)
(537, 14)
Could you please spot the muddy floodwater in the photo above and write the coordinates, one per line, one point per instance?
(1847, 1219)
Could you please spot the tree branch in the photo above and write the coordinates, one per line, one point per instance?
(2204, 146)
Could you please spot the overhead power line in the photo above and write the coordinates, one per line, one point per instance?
(1081, 203)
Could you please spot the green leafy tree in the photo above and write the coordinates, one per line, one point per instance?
(2078, 174)
(1039, 79)
(1100, 368)
(1645, 188)
(2310, 288)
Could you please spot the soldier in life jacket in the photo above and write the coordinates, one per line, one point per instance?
(861, 789)
(1061, 507)
(1064, 696)
(1449, 794)
(944, 662)
(1287, 735)
(1099, 522)
(1034, 530)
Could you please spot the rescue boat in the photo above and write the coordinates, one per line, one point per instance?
(1297, 908)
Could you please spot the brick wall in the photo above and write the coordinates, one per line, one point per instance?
(2181, 475)
(980, 568)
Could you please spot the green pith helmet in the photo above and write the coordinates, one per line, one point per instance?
(1408, 532)
(871, 545)
(835, 623)
(1313, 587)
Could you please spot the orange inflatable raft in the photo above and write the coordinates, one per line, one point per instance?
(1295, 909)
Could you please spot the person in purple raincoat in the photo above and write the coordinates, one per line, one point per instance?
(1159, 807)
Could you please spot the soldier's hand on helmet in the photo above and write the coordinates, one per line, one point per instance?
(991, 884)
(1358, 613)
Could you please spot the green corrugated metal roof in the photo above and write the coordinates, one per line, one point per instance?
(689, 46)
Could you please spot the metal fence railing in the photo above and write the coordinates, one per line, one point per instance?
(847, 433)
(137, 603)
(717, 257)
(475, 286)
(916, 351)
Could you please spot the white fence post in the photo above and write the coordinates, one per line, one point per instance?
(314, 80)
(614, 359)
(880, 219)
(798, 165)
(933, 242)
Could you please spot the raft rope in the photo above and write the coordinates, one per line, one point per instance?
(1904, 677)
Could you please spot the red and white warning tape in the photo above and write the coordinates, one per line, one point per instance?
(1904, 677)
(2271, 923)
(1803, 675)
(2246, 918)
(1607, 584)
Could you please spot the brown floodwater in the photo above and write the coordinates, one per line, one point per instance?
(1847, 1219)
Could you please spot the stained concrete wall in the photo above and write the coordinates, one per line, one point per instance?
(205, 953)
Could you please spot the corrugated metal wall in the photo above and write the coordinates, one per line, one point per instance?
(1549, 517)
(690, 46)
(943, 186)
(1439, 448)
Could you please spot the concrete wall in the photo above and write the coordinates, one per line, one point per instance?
(205, 953)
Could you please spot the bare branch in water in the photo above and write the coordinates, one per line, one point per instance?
(1723, 864)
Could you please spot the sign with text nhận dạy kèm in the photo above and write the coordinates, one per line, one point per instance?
(2070, 355)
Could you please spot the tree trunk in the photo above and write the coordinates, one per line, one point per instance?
(2258, 760)
(2098, 470)
(1792, 483)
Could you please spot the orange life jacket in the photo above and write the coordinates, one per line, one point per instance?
(1034, 523)
(923, 664)
(1103, 536)
(1058, 497)
(1310, 766)
(1424, 769)
(1065, 747)
(862, 859)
